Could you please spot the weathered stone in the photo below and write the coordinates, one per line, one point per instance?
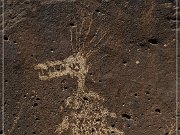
(118, 73)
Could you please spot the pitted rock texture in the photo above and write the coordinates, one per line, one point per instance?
(130, 73)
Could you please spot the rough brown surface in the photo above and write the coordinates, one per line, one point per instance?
(133, 69)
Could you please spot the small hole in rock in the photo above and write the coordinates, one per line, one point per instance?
(98, 119)
(113, 125)
(27, 2)
(142, 45)
(124, 62)
(90, 74)
(6, 38)
(71, 24)
(65, 87)
(37, 119)
(131, 41)
(37, 98)
(126, 116)
(153, 41)
(58, 69)
(97, 10)
(93, 130)
(34, 132)
(147, 93)
(158, 110)
(172, 1)
(18, 126)
(51, 50)
(35, 104)
(6, 81)
(100, 1)
(135, 94)
(171, 18)
(85, 98)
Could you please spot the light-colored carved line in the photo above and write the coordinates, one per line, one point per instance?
(87, 34)
(107, 41)
(94, 35)
(80, 33)
(89, 27)
(76, 34)
(100, 39)
(91, 52)
(82, 25)
(72, 39)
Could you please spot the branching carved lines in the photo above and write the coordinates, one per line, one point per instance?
(87, 34)
(80, 40)
(88, 116)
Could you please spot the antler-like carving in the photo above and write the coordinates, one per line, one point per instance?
(88, 115)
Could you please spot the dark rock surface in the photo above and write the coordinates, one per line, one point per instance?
(134, 71)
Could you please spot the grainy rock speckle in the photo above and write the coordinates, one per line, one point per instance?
(131, 66)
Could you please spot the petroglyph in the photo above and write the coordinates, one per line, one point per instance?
(74, 65)
(88, 116)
